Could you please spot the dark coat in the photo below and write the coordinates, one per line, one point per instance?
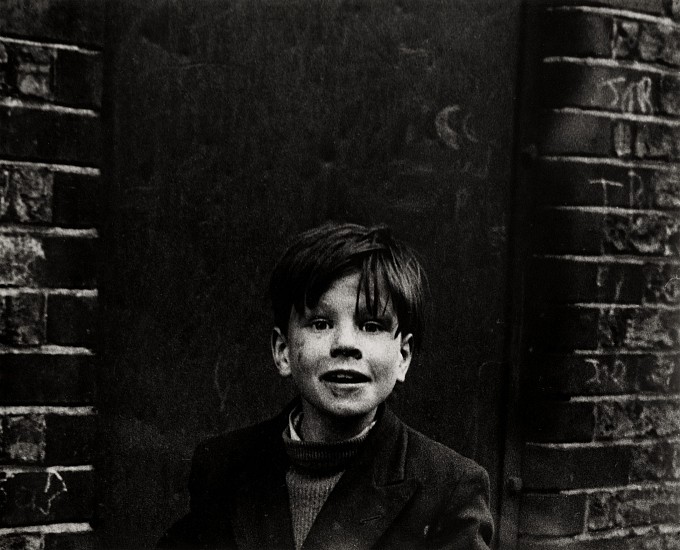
(403, 490)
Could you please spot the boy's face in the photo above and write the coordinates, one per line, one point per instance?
(344, 361)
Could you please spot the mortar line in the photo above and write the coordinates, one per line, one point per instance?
(620, 397)
(611, 63)
(620, 352)
(609, 210)
(623, 442)
(610, 161)
(609, 259)
(63, 168)
(13, 469)
(609, 305)
(654, 485)
(616, 116)
(627, 14)
(46, 44)
(39, 106)
(48, 349)
(47, 529)
(75, 292)
(47, 409)
(43, 231)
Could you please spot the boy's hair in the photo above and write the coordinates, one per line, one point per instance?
(319, 256)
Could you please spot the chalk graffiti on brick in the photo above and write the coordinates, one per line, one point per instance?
(630, 97)
(41, 501)
(605, 185)
(604, 373)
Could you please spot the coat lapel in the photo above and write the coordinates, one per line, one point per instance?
(369, 495)
(260, 510)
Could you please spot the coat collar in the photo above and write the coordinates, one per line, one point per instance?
(369, 495)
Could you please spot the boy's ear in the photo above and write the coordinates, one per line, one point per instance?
(406, 352)
(280, 354)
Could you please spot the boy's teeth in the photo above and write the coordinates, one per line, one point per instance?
(345, 377)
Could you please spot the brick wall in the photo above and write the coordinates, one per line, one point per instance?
(601, 467)
(50, 90)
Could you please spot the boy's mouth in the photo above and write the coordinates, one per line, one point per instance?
(345, 377)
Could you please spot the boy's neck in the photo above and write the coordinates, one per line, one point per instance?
(315, 427)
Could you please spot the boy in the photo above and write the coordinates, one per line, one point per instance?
(337, 469)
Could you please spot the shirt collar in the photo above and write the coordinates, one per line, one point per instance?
(295, 421)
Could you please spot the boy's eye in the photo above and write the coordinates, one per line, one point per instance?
(320, 324)
(372, 326)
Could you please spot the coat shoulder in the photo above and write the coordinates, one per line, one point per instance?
(431, 459)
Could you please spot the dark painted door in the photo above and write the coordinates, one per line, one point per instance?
(232, 126)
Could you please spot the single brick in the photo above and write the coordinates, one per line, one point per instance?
(71, 21)
(587, 328)
(556, 515)
(49, 135)
(575, 34)
(669, 95)
(76, 200)
(569, 133)
(22, 319)
(661, 283)
(35, 378)
(656, 462)
(658, 43)
(57, 262)
(51, 439)
(644, 329)
(633, 507)
(69, 439)
(32, 70)
(588, 232)
(21, 541)
(557, 280)
(71, 320)
(575, 467)
(560, 421)
(46, 497)
(605, 374)
(577, 327)
(67, 77)
(22, 260)
(23, 439)
(625, 38)
(78, 78)
(566, 183)
(635, 418)
(646, 41)
(25, 194)
(564, 133)
(71, 262)
(656, 234)
(619, 89)
(655, 141)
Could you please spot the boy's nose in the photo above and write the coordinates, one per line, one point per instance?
(344, 344)
(346, 351)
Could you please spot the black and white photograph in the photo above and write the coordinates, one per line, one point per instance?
(340, 274)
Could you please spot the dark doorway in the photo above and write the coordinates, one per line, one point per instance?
(232, 126)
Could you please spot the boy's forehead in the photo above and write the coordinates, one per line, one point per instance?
(351, 287)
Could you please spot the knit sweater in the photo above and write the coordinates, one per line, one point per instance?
(315, 469)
